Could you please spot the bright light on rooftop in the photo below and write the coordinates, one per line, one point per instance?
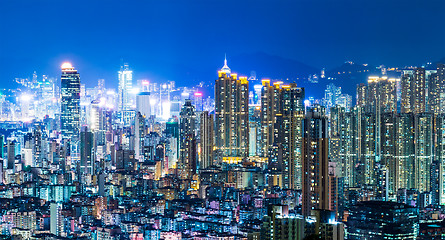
(66, 65)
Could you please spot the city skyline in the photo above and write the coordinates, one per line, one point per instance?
(316, 123)
(352, 31)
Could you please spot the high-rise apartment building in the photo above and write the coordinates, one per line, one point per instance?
(288, 133)
(315, 152)
(423, 139)
(187, 140)
(231, 116)
(381, 94)
(56, 218)
(440, 154)
(282, 113)
(420, 90)
(404, 151)
(440, 87)
(206, 137)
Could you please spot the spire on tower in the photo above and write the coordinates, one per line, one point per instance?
(225, 68)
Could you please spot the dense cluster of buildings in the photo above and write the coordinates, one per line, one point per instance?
(259, 161)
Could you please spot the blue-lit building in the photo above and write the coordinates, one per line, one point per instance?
(70, 106)
(382, 220)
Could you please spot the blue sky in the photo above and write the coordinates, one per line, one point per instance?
(186, 40)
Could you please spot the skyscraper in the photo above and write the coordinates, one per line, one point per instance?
(231, 115)
(206, 158)
(315, 161)
(268, 110)
(407, 93)
(440, 155)
(124, 96)
(423, 126)
(187, 140)
(417, 86)
(435, 91)
(388, 150)
(97, 122)
(336, 117)
(282, 112)
(331, 95)
(11, 155)
(420, 91)
(70, 105)
(143, 104)
(441, 83)
(404, 147)
(288, 133)
(86, 152)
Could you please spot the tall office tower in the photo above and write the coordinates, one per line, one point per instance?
(70, 105)
(206, 157)
(404, 147)
(139, 135)
(231, 116)
(331, 94)
(11, 154)
(423, 126)
(187, 140)
(125, 86)
(143, 104)
(388, 152)
(172, 132)
(440, 155)
(198, 101)
(124, 95)
(97, 122)
(86, 152)
(315, 161)
(56, 218)
(289, 132)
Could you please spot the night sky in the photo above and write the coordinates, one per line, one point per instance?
(169, 39)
